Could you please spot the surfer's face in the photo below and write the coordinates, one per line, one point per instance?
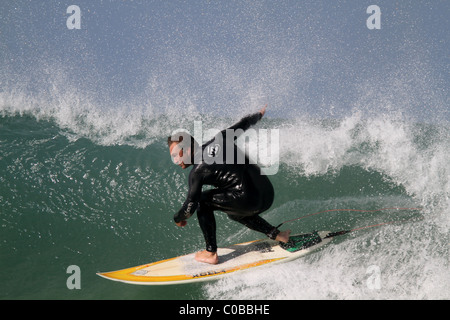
(178, 155)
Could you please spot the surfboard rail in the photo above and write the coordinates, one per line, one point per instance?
(238, 257)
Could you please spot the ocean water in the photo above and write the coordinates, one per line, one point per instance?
(68, 199)
(363, 120)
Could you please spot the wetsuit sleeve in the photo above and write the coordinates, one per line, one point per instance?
(193, 197)
(247, 121)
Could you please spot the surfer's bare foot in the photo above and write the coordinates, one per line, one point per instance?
(283, 236)
(207, 257)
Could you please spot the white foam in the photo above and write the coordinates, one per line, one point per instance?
(343, 271)
(412, 258)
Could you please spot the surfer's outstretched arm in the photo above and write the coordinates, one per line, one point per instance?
(243, 124)
(247, 121)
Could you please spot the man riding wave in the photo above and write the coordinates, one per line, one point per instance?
(241, 191)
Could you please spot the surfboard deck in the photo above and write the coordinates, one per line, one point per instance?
(238, 257)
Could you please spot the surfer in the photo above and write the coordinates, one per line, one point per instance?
(241, 191)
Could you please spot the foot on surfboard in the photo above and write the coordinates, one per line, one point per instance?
(207, 257)
(283, 236)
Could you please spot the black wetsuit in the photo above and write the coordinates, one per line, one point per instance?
(241, 190)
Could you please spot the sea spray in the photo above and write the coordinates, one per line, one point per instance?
(408, 255)
(86, 178)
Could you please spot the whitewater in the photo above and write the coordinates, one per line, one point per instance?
(69, 194)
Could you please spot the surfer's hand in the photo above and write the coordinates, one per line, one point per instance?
(263, 110)
(181, 223)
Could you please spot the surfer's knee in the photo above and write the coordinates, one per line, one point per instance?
(204, 209)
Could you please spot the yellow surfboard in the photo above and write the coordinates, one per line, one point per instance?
(238, 257)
